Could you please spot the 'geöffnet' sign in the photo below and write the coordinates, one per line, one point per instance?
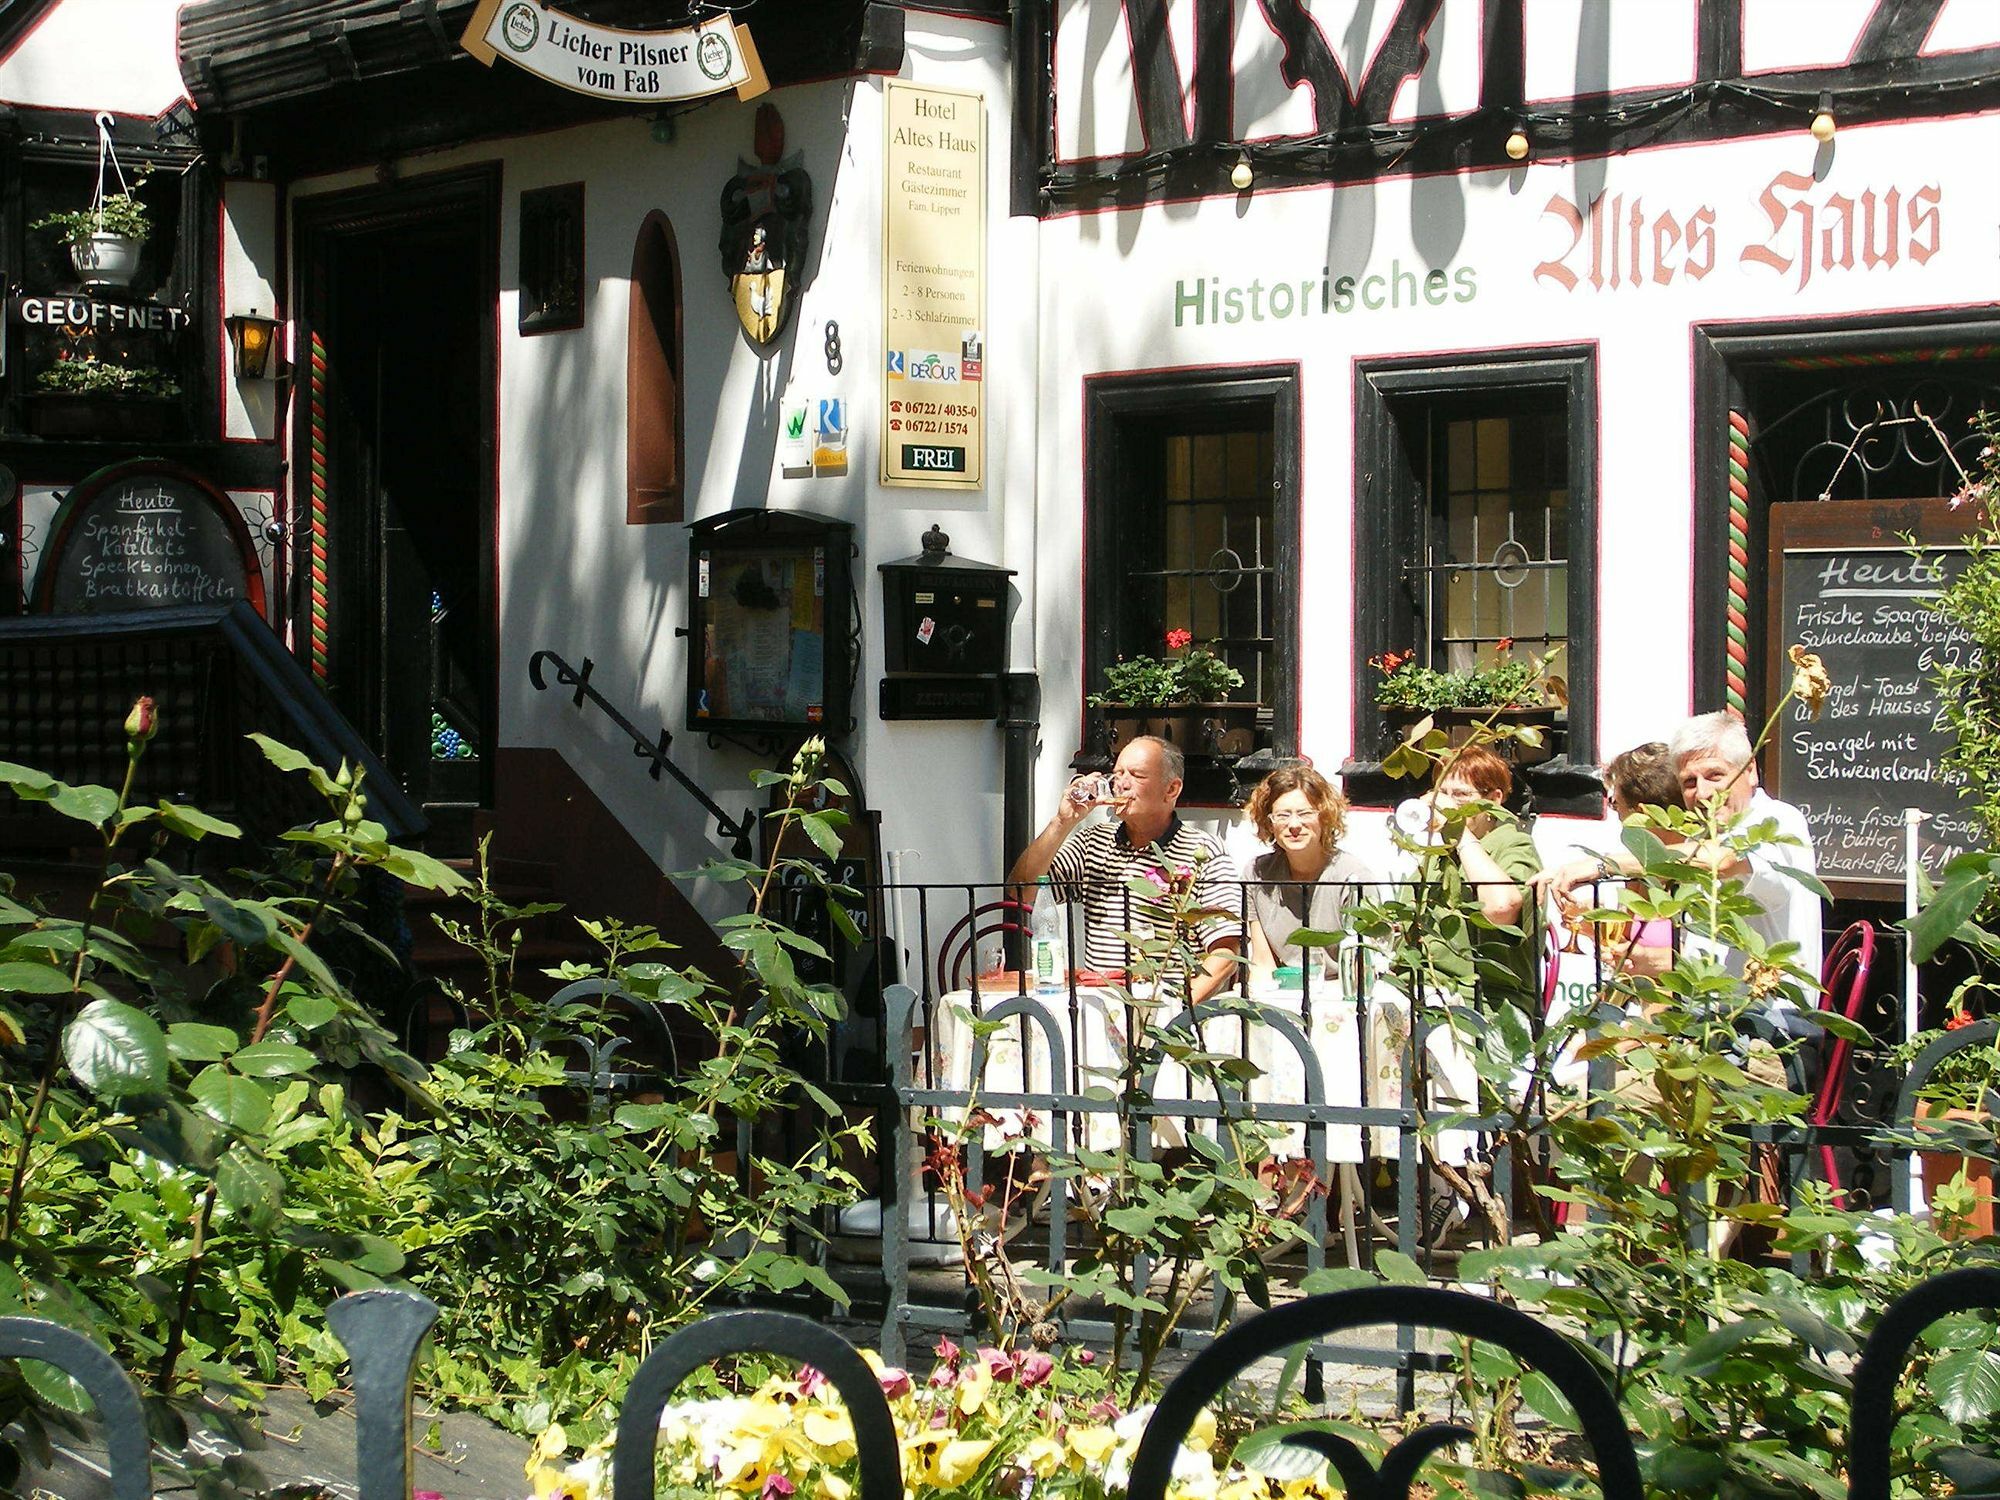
(643, 67)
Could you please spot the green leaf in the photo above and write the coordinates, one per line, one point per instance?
(20, 978)
(87, 804)
(272, 1060)
(309, 1010)
(424, 872)
(1960, 896)
(816, 828)
(193, 823)
(284, 757)
(1270, 1451)
(115, 1050)
(26, 780)
(232, 1099)
(1966, 1385)
(191, 1041)
(248, 1187)
(1688, 1470)
(55, 1386)
(243, 922)
(306, 959)
(1541, 1397)
(1398, 1269)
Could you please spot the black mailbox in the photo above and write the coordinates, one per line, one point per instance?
(946, 642)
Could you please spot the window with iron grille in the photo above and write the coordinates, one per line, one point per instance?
(1475, 523)
(1191, 525)
(1494, 574)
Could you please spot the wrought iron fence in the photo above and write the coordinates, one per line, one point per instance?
(382, 1331)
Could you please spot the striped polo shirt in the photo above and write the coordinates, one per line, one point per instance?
(1097, 862)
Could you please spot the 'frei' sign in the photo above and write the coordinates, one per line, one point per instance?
(640, 66)
(934, 288)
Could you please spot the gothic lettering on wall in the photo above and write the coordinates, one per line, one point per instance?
(1620, 242)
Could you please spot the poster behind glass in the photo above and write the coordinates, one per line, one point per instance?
(760, 616)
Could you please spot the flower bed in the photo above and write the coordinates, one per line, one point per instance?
(985, 1422)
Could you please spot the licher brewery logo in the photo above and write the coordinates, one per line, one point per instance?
(711, 55)
(521, 28)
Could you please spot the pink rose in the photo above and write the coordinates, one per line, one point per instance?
(999, 1363)
(1032, 1368)
(894, 1383)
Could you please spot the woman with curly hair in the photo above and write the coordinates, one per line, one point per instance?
(1307, 879)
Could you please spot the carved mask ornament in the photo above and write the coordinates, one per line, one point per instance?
(766, 209)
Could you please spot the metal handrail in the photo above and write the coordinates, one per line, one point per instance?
(736, 830)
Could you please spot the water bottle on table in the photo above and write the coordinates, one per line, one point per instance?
(1045, 930)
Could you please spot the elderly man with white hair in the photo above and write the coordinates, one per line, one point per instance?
(1712, 754)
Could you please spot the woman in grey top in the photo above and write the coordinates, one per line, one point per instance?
(1307, 879)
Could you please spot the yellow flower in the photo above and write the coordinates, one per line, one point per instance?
(1092, 1445)
(1042, 1457)
(830, 1431)
(1810, 682)
(945, 1461)
(1201, 1435)
(833, 1487)
(559, 1484)
(549, 1446)
(974, 1383)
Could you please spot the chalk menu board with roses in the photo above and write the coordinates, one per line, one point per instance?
(1852, 581)
(148, 535)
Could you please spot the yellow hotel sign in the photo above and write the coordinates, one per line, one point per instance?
(934, 288)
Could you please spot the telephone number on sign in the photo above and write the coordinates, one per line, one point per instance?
(949, 429)
(936, 409)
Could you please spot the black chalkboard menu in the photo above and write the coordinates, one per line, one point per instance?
(1852, 581)
(143, 535)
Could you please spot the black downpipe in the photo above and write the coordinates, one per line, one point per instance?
(1020, 721)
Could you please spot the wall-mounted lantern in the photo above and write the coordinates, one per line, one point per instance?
(251, 335)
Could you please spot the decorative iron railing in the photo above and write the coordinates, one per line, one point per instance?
(382, 1330)
(653, 752)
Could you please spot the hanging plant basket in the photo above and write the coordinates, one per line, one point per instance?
(106, 259)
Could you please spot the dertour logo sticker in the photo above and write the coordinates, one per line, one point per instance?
(521, 28)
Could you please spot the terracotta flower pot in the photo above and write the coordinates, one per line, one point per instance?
(1940, 1168)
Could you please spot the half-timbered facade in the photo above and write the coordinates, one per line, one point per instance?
(1316, 328)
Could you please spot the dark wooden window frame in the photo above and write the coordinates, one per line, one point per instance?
(1724, 354)
(1116, 407)
(655, 379)
(545, 213)
(1390, 504)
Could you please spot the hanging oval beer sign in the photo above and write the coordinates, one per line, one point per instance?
(147, 535)
(638, 67)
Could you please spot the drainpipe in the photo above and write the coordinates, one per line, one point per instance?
(1020, 719)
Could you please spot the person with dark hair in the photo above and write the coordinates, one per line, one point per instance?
(1307, 879)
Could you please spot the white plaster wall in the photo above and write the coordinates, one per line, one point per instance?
(117, 55)
(576, 579)
(1108, 298)
(250, 279)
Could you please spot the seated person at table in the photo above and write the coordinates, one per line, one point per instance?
(1144, 838)
(1307, 879)
(1642, 777)
(1712, 755)
(1491, 861)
